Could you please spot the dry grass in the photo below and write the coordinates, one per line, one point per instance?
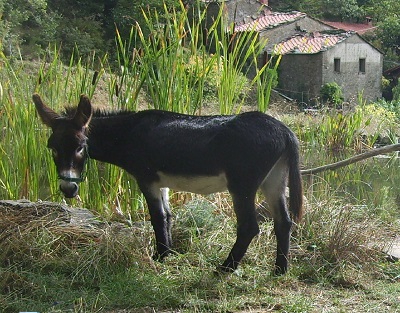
(48, 250)
(49, 237)
(345, 243)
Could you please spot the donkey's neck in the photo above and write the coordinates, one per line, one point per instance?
(106, 133)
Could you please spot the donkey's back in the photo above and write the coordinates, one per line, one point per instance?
(248, 144)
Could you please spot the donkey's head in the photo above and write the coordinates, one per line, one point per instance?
(68, 142)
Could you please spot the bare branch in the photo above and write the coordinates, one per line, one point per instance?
(354, 159)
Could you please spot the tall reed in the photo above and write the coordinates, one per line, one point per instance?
(171, 65)
(21, 144)
(175, 67)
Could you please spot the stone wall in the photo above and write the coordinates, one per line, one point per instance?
(300, 76)
(350, 78)
(238, 11)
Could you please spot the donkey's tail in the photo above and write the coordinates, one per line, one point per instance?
(295, 181)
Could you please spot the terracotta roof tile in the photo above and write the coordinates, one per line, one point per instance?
(308, 44)
(359, 28)
(269, 20)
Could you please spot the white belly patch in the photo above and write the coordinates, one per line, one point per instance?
(196, 184)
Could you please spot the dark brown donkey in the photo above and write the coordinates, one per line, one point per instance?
(201, 154)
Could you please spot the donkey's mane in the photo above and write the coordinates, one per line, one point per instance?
(69, 112)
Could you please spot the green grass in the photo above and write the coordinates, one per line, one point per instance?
(53, 268)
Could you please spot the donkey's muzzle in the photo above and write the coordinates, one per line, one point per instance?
(69, 189)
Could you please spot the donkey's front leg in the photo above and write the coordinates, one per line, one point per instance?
(247, 229)
(167, 210)
(160, 214)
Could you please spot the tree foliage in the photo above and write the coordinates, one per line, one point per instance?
(389, 33)
(387, 12)
(29, 26)
(18, 17)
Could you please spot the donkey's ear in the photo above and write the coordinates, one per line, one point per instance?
(47, 115)
(84, 112)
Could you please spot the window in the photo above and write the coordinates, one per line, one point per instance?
(361, 65)
(336, 65)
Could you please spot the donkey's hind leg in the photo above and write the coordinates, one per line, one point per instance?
(157, 202)
(247, 229)
(273, 187)
(167, 210)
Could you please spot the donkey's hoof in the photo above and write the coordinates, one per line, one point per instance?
(224, 269)
(279, 271)
(161, 256)
(229, 266)
(221, 271)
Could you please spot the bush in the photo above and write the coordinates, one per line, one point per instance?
(332, 93)
(396, 92)
(390, 107)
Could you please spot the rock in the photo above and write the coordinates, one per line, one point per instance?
(393, 250)
(63, 213)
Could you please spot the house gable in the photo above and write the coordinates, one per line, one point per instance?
(299, 26)
(360, 68)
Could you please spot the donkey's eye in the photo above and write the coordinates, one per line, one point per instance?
(80, 151)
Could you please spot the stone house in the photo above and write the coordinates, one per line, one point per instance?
(309, 61)
(248, 15)
(336, 56)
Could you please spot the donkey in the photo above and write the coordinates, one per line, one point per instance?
(200, 154)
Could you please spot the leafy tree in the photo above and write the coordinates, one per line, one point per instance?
(311, 7)
(18, 19)
(350, 10)
(382, 9)
(387, 15)
(29, 26)
(388, 33)
(81, 25)
(342, 9)
(126, 14)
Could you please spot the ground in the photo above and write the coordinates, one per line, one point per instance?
(288, 294)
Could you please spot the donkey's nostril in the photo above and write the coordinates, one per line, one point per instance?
(69, 189)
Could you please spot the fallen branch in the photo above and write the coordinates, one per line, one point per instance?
(354, 159)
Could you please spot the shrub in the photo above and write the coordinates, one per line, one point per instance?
(396, 92)
(332, 93)
(390, 109)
